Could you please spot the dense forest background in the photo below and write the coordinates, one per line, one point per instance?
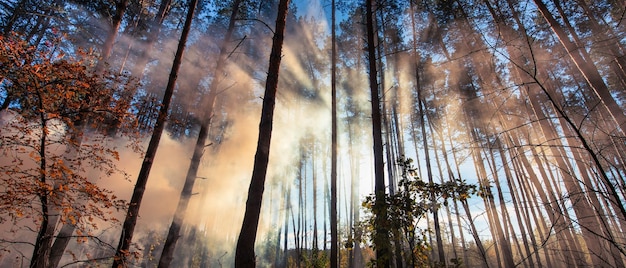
(433, 133)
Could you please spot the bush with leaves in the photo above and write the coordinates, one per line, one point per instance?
(405, 208)
(53, 133)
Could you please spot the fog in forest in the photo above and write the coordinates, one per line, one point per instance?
(524, 107)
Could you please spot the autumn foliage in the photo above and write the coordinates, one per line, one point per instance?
(55, 127)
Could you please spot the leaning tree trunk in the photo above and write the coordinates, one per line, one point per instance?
(244, 254)
(107, 47)
(154, 28)
(63, 238)
(429, 172)
(174, 232)
(587, 69)
(132, 214)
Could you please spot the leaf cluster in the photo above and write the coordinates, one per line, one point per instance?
(54, 123)
(405, 208)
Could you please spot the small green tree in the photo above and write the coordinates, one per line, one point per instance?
(410, 203)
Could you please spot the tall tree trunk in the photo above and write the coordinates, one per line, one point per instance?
(433, 132)
(381, 234)
(474, 231)
(420, 99)
(421, 104)
(587, 69)
(314, 243)
(604, 35)
(326, 203)
(494, 221)
(522, 217)
(132, 214)
(154, 28)
(174, 231)
(116, 22)
(208, 102)
(334, 243)
(516, 207)
(244, 254)
(286, 224)
(455, 201)
(354, 237)
(525, 171)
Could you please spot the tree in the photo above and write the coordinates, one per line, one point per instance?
(587, 69)
(174, 231)
(128, 228)
(422, 116)
(410, 203)
(154, 28)
(244, 255)
(334, 258)
(381, 236)
(50, 92)
(116, 22)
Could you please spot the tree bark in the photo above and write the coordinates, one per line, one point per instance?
(381, 236)
(154, 28)
(116, 22)
(244, 254)
(46, 228)
(334, 252)
(132, 215)
(209, 102)
(587, 69)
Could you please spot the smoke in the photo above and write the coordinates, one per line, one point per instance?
(220, 192)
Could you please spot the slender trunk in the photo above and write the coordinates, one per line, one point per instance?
(154, 28)
(441, 176)
(282, 215)
(286, 224)
(355, 260)
(46, 228)
(132, 215)
(503, 246)
(174, 231)
(107, 47)
(334, 251)
(244, 254)
(533, 206)
(516, 206)
(381, 236)
(455, 201)
(506, 219)
(421, 104)
(587, 69)
(474, 232)
(522, 218)
(601, 33)
(296, 236)
(315, 244)
(60, 243)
